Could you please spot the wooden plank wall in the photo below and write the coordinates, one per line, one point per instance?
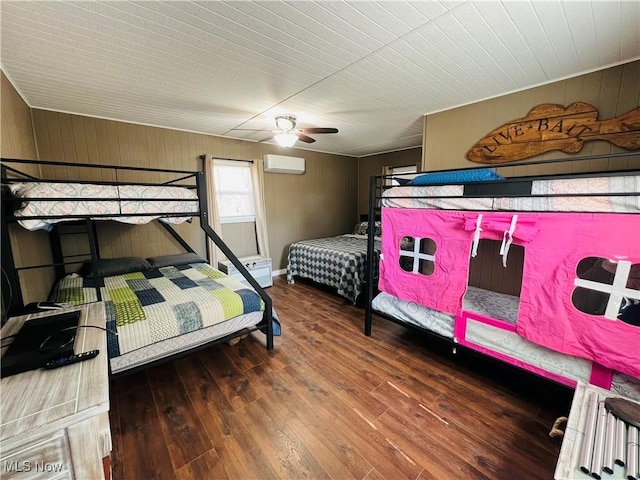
(29, 248)
(486, 270)
(321, 202)
(244, 237)
(369, 166)
(613, 91)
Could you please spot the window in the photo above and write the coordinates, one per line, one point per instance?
(398, 175)
(403, 170)
(609, 289)
(234, 191)
(420, 260)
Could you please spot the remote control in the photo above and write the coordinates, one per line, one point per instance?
(61, 362)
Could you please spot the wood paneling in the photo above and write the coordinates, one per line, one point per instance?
(18, 142)
(242, 236)
(370, 166)
(321, 202)
(329, 402)
(31, 249)
(450, 134)
(486, 270)
(17, 131)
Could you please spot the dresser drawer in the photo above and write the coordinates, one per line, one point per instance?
(46, 459)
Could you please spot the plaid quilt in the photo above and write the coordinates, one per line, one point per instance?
(338, 262)
(154, 305)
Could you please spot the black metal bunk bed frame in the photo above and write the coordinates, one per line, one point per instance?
(8, 264)
(509, 187)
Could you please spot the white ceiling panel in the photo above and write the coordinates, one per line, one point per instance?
(372, 69)
(527, 22)
(608, 18)
(473, 36)
(629, 28)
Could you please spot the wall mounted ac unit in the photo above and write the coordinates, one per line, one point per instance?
(283, 164)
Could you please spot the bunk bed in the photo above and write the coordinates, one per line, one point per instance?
(338, 262)
(564, 250)
(156, 307)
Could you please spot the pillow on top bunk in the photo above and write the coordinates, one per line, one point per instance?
(361, 228)
(108, 267)
(174, 260)
(459, 176)
(403, 181)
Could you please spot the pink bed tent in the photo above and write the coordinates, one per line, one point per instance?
(555, 245)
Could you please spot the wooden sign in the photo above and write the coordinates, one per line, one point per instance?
(550, 127)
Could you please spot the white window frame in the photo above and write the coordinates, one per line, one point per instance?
(402, 170)
(219, 190)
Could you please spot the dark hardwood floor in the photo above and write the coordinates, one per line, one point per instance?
(329, 402)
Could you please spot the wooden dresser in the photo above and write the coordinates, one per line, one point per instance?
(55, 423)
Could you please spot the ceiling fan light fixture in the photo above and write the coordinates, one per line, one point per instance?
(286, 139)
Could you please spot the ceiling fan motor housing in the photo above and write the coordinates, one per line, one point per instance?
(286, 122)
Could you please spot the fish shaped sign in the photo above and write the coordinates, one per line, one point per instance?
(549, 127)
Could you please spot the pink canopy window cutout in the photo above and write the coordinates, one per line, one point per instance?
(608, 288)
(417, 255)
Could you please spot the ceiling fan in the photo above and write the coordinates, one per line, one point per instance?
(286, 134)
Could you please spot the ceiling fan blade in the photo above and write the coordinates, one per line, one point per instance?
(303, 138)
(319, 130)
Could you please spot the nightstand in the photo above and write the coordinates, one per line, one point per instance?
(55, 423)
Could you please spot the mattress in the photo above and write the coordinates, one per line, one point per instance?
(165, 310)
(415, 314)
(121, 200)
(518, 349)
(181, 343)
(605, 194)
(493, 339)
(337, 262)
(491, 304)
(506, 342)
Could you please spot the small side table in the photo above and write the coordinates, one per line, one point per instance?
(55, 423)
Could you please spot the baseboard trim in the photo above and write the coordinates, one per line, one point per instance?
(276, 273)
